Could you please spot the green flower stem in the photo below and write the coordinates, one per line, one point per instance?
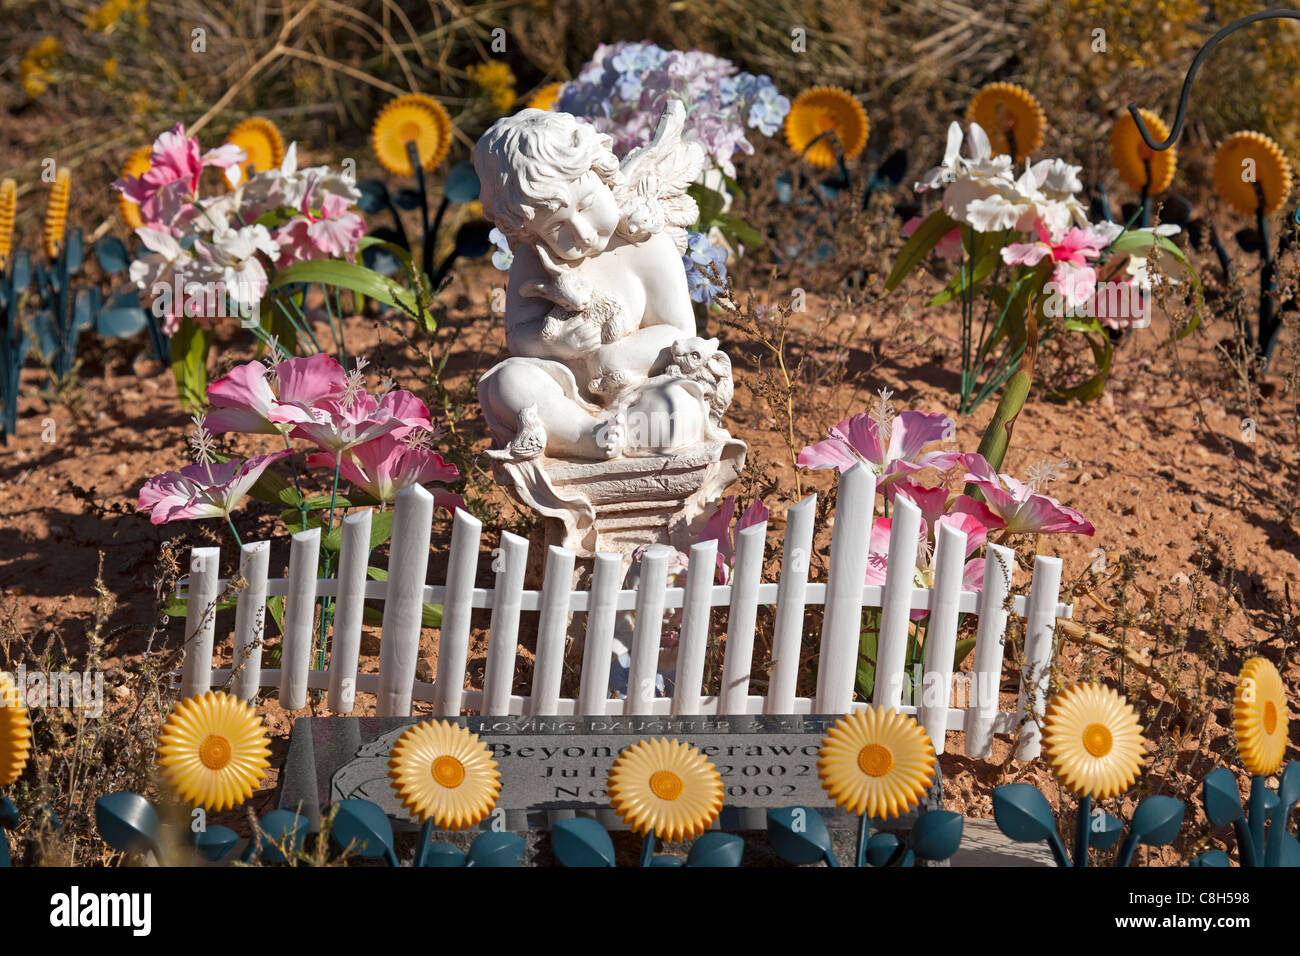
(864, 834)
(967, 310)
(297, 484)
(1083, 831)
(334, 492)
(297, 318)
(988, 299)
(238, 540)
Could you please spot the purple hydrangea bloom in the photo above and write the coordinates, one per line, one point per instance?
(700, 254)
(624, 88)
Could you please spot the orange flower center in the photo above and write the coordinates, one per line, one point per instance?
(1097, 739)
(410, 132)
(214, 752)
(666, 785)
(1270, 717)
(875, 760)
(449, 772)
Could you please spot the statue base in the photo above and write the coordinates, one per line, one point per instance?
(619, 505)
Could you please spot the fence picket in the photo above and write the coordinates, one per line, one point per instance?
(552, 625)
(200, 620)
(941, 635)
(453, 637)
(250, 619)
(1040, 631)
(503, 635)
(791, 598)
(299, 616)
(896, 604)
(647, 631)
(739, 658)
(990, 640)
(345, 645)
(693, 639)
(842, 624)
(597, 648)
(408, 565)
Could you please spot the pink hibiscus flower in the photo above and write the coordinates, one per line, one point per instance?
(858, 439)
(1015, 506)
(202, 491)
(338, 424)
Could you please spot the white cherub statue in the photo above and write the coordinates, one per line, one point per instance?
(605, 360)
(597, 295)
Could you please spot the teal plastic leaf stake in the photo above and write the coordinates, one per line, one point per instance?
(581, 841)
(799, 836)
(362, 828)
(129, 823)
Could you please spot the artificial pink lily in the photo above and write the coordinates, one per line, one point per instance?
(386, 465)
(333, 234)
(972, 578)
(245, 402)
(856, 440)
(337, 424)
(718, 528)
(202, 491)
(1014, 506)
(174, 169)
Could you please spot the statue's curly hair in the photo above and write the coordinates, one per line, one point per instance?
(523, 160)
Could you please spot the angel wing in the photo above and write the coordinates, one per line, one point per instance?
(657, 175)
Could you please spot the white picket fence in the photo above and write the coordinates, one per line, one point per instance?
(843, 595)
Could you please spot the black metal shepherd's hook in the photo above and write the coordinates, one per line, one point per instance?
(1205, 51)
(1269, 309)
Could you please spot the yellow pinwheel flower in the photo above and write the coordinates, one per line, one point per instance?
(8, 204)
(544, 99)
(1012, 118)
(667, 787)
(823, 108)
(1247, 159)
(213, 750)
(1092, 740)
(15, 732)
(876, 761)
(137, 164)
(415, 118)
(1259, 717)
(262, 145)
(444, 773)
(1132, 157)
(56, 213)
